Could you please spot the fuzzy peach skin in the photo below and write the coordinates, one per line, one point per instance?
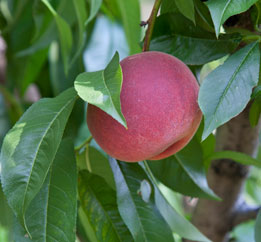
(159, 101)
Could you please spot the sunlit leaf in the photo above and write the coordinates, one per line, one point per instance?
(226, 91)
(29, 149)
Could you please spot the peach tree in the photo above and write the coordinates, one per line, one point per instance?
(168, 149)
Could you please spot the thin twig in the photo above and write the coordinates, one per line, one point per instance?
(151, 22)
(87, 141)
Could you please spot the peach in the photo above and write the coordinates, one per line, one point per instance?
(159, 101)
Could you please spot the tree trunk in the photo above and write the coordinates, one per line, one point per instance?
(215, 219)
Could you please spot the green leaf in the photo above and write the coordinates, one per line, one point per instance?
(188, 168)
(6, 218)
(45, 24)
(61, 81)
(29, 149)
(142, 218)
(208, 145)
(193, 168)
(87, 228)
(258, 228)
(4, 121)
(33, 66)
(94, 8)
(168, 6)
(202, 15)
(255, 111)
(236, 156)
(102, 89)
(256, 92)
(52, 213)
(99, 204)
(130, 14)
(186, 8)
(98, 163)
(226, 91)
(177, 223)
(221, 10)
(176, 35)
(65, 35)
(81, 14)
(258, 16)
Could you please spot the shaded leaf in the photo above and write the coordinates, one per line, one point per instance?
(184, 172)
(99, 204)
(87, 228)
(258, 228)
(255, 110)
(33, 66)
(102, 89)
(221, 10)
(202, 15)
(4, 122)
(176, 35)
(193, 168)
(177, 223)
(236, 156)
(226, 91)
(6, 218)
(186, 8)
(142, 218)
(98, 163)
(29, 149)
(168, 6)
(65, 35)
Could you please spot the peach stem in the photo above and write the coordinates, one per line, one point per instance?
(151, 22)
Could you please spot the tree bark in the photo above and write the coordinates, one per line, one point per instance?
(226, 178)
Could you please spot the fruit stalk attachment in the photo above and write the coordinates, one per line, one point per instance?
(151, 22)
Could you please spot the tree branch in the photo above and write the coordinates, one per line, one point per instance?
(226, 178)
(151, 22)
(244, 213)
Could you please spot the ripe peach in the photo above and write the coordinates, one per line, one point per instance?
(159, 101)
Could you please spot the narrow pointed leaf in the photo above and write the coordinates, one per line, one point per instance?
(176, 35)
(226, 91)
(94, 8)
(221, 10)
(194, 167)
(52, 214)
(98, 163)
(236, 156)
(99, 204)
(102, 89)
(29, 149)
(188, 167)
(142, 218)
(81, 14)
(65, 34)
(177, 223)
(186, 8)
(130, 15)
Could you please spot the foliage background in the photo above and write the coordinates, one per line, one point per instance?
(39, 72)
